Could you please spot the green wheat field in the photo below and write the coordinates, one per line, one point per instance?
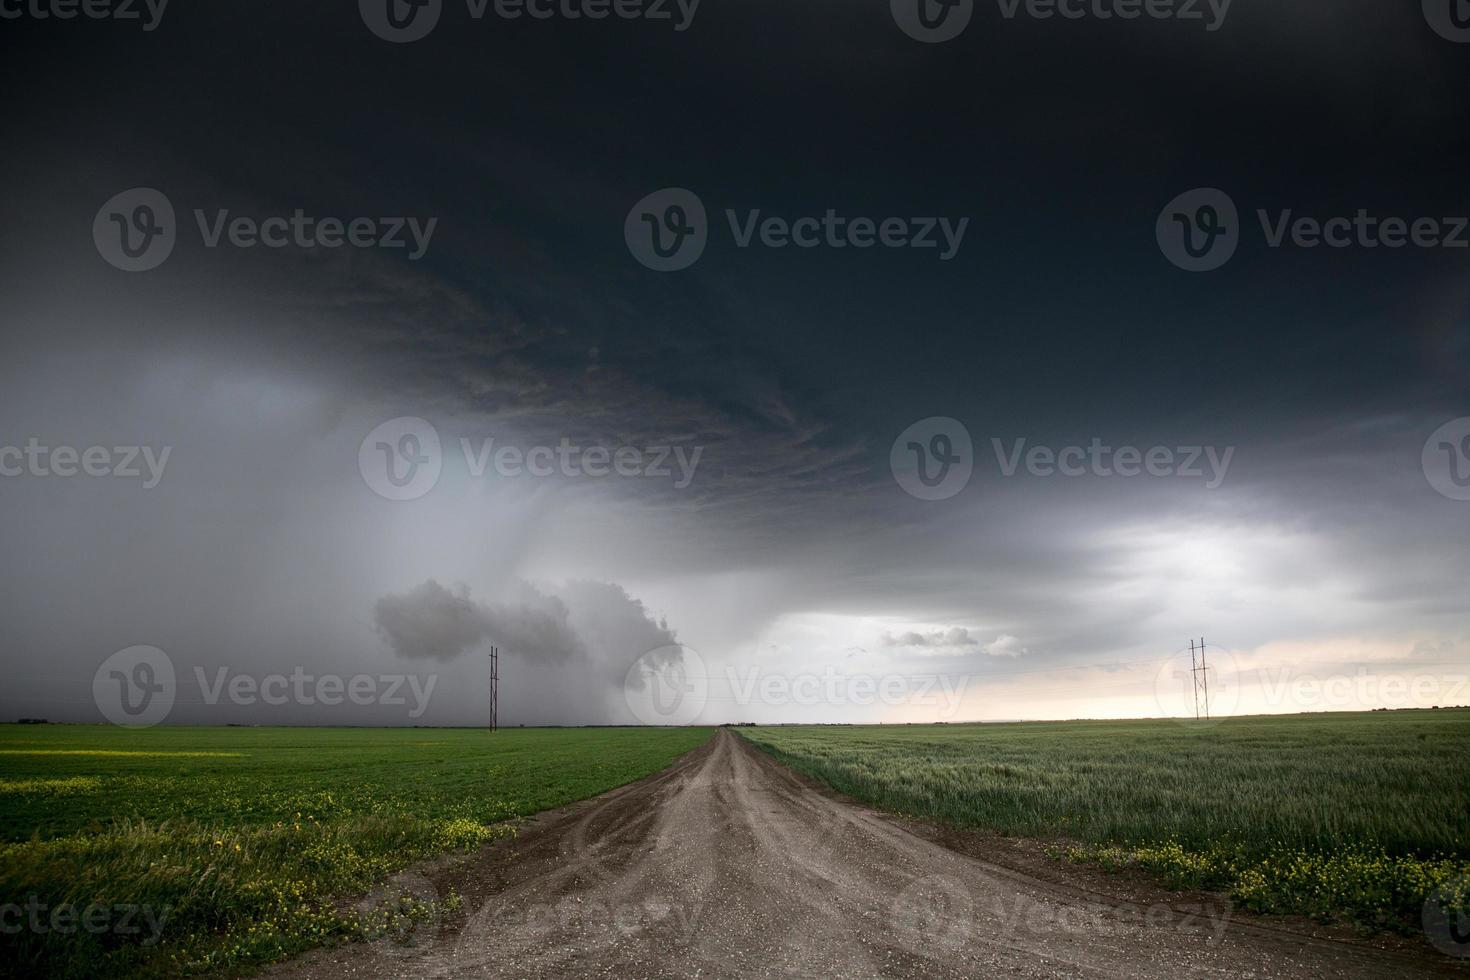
(242, 840)
(1349, 817)
(242, 843)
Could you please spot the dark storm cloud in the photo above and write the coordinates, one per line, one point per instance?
(528, 321)
(589, 622)
(432, 622)
(796, 367)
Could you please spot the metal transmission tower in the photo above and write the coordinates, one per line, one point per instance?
(494, 688)
(1201, 674)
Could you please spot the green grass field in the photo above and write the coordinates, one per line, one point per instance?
(240, 840)
(1354, 817)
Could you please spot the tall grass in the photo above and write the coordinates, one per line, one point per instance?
(1348, 815)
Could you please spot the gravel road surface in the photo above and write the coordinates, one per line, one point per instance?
(728, 865)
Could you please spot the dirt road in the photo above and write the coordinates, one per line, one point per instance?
(728, 865)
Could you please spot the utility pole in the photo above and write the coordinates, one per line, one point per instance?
(494, 688)
(1201, 674)
(1205, 676)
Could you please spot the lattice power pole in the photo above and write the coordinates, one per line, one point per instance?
(1201, 674)
(494, 688)
(1204, 676)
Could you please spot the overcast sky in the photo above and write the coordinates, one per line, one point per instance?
(781, 535)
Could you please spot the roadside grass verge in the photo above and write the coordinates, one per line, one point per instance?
(1353, 818)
